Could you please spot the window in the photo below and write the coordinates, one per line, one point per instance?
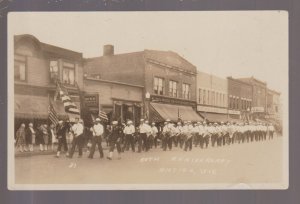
(204, 96)
(223, 102)
(53, 70)
(173, 88)
(213, 98)
(20, 68)
(68, 73)
(208, 101)
(186, 91)
(200, 96)
(276, 109)
(158, 85)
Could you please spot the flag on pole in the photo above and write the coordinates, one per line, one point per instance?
(103, 115)
(52, 114)
(70, 106)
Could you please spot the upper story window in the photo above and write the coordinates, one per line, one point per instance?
(173, 88)
(208, 97)
(200, 96)
(213, 102)
(186, 91)
(68, 73)
(204, 97)
(20, 68)
(158, 86)
(54, 70)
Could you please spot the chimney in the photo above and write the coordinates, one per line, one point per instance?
(108, 50)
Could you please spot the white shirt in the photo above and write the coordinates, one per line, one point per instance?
(97, 130)
(128, 130)
(154, 130)
(144, 128)
(77, 128)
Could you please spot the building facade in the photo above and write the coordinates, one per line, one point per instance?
(168, 81)
(259, 96)
(212, 97)
(119, 101)
(239, 99)
(37, 66)
(273, 105)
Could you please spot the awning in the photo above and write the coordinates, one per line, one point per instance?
(215, 117)
(173, 112)
(36, 107)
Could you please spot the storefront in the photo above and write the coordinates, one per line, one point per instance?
(162, 108)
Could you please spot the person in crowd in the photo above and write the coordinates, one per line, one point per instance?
(97, 130)
(154, 134)
(129, 131)
(61, 134)
(143, 142)
(114, 139)
(167, 139)
(271, 130)
(77, 130)
(188, 131)
(30, 137)
(44, 137)
(20, 138)
(53, 136)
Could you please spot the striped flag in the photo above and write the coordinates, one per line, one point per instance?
(103, 115)
(52, 115)
(70, 106)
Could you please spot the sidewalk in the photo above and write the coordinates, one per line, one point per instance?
(36, 151)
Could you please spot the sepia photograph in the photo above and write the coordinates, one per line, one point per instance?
(148, 100)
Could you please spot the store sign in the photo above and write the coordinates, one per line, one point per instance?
(159, 99)
(258, 109)
(234, 112)
(91, 100)
(211, 109)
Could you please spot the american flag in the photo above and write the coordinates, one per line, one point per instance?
(103, 115)
(52, 115)
(70, 106)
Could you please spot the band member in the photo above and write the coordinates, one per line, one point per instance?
(271, 130)
(143, 143)
(167, 140)
(114, 139)
(213, 132)
(62, 130)
(206, 134)
(189, 136)
(154, 133)
(97, 131)
(129, 131)
(77, 130)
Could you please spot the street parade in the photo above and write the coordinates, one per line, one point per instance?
(119, 137)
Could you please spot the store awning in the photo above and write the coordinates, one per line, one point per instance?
(215, 117)
(173, 112)
(36, 107)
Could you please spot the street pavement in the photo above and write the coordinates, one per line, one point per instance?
(257, 162)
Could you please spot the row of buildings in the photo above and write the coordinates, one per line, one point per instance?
(147, 84)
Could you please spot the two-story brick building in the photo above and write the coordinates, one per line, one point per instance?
(168, 82)
(212, 94)
(239, 99)
(273, 104)
(36, 66)
(259, 97)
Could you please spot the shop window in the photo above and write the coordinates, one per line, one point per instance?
(20, 68)
(53, 70)
(158, 86)
(186, 91)
(68, 73)
(173, 88)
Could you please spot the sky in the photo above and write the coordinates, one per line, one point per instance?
(229, 43)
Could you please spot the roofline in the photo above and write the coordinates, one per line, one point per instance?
(238, 80)
(112, 82)
(257, 80)
(271, 90)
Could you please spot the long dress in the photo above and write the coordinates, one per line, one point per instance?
(20, 139)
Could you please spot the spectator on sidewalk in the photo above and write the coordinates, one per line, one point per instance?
(20, 138)
(30, 137)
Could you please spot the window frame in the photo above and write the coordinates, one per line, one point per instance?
(162, 83)
(26, 67)
(64, 67)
